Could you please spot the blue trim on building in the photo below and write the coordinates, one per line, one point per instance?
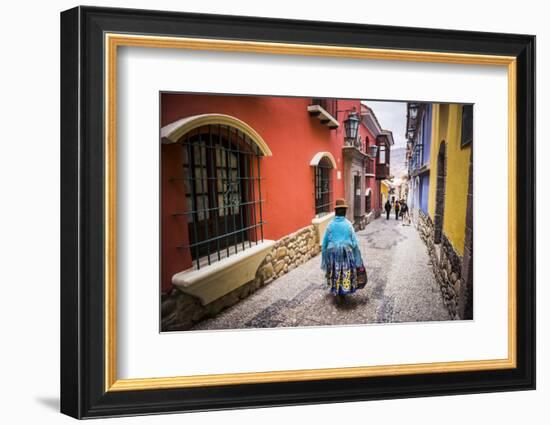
(424, 191)
(426, 134)
(419, 161)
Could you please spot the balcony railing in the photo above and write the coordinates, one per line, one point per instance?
(325, 110)
(382, 171)
(328, 105)
(354, 143)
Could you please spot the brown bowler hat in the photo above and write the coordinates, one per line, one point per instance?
(340, 203)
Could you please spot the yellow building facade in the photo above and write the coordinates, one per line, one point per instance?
(446, 129)
(384, 192)
(445, 222)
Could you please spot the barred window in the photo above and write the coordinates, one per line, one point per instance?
(381, 154)
(323, 187)
(222, 181)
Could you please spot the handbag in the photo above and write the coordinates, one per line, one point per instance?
(361, 277)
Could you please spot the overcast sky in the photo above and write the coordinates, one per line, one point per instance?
(391, 116)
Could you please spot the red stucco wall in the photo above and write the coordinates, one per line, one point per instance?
(174, 229)
(293, 136)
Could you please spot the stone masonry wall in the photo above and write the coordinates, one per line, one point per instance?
(180, 311)
(447, 264)
(365, 220)
(289, 252)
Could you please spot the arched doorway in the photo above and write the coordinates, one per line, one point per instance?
(440, 192)
(323, 163)
(368, 200)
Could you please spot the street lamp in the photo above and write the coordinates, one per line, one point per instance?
(413, 109)
(373, 150)
(351, 126)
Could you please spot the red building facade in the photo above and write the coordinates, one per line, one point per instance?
(240, 170)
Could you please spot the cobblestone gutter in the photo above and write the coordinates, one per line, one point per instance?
(180, 311)
(447, 264)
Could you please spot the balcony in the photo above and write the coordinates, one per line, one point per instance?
(355, 143)
(383, 158)
(382, 171)
(417, 164)
(354, 149)
(325, 111)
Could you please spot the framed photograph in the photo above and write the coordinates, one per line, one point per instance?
(261, 212)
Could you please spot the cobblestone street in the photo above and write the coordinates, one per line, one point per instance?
(401, 288)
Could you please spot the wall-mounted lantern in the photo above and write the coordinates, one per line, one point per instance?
(413, 110)
(373, 151)
(351, 125)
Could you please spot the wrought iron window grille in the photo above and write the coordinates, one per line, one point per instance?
(222, 184)
(323, 187)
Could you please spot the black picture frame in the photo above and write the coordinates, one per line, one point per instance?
(83, 392)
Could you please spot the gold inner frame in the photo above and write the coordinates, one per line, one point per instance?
(113, 41)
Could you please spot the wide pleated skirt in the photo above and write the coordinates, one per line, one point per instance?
(341, 271)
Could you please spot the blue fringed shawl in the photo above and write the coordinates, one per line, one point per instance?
(339, 237)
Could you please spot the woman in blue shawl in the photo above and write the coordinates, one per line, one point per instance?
(340, 255)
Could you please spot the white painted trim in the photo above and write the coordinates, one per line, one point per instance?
(389, 135)
(321, 224)
(319, 156)
(172, 133)
(371, 122)
(216, 280)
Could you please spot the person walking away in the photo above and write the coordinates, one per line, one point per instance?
(396, 207)
(387, 207)
(405, 214)
(341, 257)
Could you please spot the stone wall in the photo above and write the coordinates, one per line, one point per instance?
(180, 311)
(365, 220)
(289, 252)
(447, 264)
(359, 223)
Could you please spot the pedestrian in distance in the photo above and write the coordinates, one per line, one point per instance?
(405, 214)
(387, 207)
(341, 258)
(401, 212)
(396, 208)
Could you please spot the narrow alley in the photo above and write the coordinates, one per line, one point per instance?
(401, 288)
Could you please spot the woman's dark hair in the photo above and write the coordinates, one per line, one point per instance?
(340, 212)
